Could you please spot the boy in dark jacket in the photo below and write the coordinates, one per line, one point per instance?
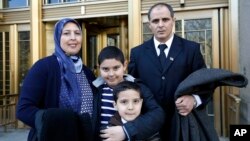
(128, 103)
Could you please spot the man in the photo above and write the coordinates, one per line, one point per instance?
(180, 58)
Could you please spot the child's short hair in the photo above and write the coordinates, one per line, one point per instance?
(111, 52)
(125, 85)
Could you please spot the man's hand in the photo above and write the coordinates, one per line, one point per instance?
(113, 133)
(185, 104)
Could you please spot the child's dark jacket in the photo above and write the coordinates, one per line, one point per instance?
(147, 124)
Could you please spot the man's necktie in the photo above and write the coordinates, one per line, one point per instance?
(162, 55)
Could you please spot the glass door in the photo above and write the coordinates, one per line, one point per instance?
(4, 63)
(14, 64)
(95, 41)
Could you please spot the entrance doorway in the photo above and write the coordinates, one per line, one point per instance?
(102, 32)
(4, 63)
(14, 64)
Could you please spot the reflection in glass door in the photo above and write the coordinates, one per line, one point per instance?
(200, 31)
(113, 40)
(91, 51)
(23, 54)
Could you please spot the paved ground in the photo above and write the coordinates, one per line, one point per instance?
(21, 135)
(14, 134)
(224, 139)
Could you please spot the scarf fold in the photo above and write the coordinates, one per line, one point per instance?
(77, 63)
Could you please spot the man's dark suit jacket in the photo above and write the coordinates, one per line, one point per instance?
(184, 58)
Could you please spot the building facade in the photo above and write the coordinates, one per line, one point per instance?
(26, 35)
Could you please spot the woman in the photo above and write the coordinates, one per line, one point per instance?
(57, 81)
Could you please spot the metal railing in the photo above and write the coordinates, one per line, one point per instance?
(8, 110)
(233, 108)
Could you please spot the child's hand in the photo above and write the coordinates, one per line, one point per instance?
(114, 133)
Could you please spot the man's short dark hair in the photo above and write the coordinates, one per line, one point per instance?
(162, 4)
(125, 85)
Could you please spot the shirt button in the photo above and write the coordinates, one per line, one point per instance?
(163, 77)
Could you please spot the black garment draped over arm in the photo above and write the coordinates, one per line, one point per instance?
(196, 126)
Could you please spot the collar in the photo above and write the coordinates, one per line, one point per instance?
(99, 81)
(123, 120)
(168, 42)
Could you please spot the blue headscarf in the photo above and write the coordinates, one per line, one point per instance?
(66, 64)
